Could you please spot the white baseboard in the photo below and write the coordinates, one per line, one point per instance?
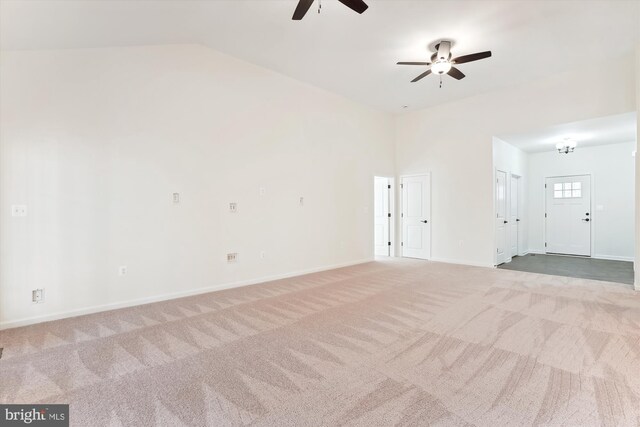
(614, 258)
(461, 262)
(141, 301)
(597, 256)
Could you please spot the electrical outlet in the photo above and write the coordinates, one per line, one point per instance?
(232, 257)
(176, 198)
(122, 270)
(263, 254)
(37, 296)
(18, 210)
(233, 207)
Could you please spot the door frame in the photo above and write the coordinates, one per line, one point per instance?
(591, 210)
(521, 213)
(400, 204)
(520, 231)
(495, 212)
(392, 210)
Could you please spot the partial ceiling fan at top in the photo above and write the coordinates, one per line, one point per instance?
(441, 62)
(304, 5)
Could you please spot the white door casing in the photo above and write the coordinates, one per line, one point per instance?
(514, 216)
(381, 221)
(416, 216)
(568, 215)
(501, 217)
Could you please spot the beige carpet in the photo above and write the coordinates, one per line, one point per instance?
(387, 343)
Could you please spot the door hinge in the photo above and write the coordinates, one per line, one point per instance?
(401, 215)
(389, 215)
(545, 215)
(389, 186)
(401, 185)
(545, 186)
(401, 243)
(545, 244)
(389, 243)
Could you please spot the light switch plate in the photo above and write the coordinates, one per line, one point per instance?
(233, 207)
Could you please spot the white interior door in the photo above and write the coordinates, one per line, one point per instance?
(501, 216)
(568, 215)
(381, 221)
(416, 216)
(514, 216)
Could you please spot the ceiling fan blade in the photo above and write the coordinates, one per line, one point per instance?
(455, 73)
(357, 5)
(414, 63)
(301, 9)
(425, 74)
(444, 50)
(473, 57)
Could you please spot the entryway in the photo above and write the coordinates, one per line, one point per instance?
(564, 199)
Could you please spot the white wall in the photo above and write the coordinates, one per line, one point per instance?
(96, 141)
(454, 142)
(612, 195)
(513, 161)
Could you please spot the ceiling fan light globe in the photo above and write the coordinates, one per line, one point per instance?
(441, 67)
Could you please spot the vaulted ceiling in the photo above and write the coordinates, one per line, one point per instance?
(346, 53)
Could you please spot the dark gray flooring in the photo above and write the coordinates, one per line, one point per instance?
(583, 268)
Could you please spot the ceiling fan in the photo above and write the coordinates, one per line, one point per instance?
(441, 62)
(304, 5)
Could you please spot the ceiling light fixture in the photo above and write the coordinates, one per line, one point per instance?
(567, 146)
(441, 66)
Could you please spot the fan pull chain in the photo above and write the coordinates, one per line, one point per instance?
(440, 81)
(319, 5)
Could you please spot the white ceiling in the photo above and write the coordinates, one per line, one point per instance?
(601, 131)
(343, 52)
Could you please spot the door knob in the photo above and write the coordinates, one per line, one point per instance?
(506, 222)
(425, 221)
(586, 219)
(517, 219)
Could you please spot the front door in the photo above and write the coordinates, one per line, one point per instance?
(416, 217)
(568, 215)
